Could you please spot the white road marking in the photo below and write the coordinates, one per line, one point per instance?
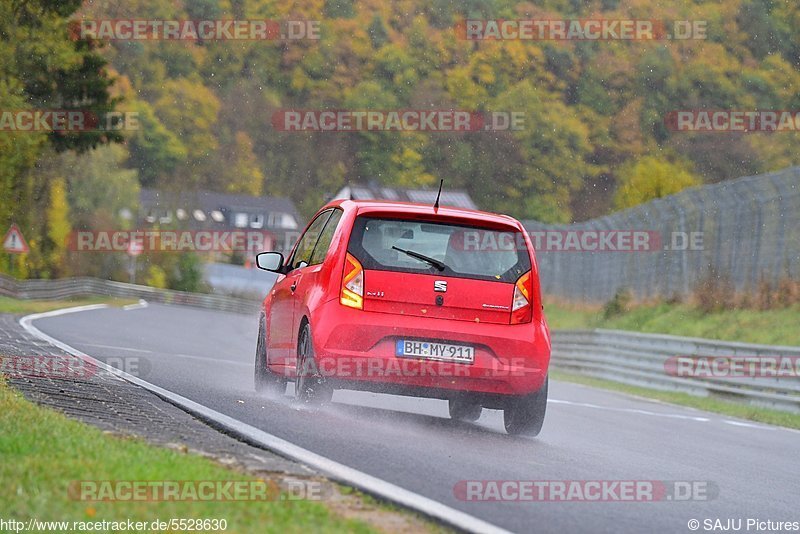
(630, 410)
(177, 355)
(748, 425)
(334, 470)
(211, 360)
(114, 347)
(141, 304)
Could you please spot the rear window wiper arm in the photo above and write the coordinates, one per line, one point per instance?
(422, 257)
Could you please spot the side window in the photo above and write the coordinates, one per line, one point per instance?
(325, 238)
(309, 239)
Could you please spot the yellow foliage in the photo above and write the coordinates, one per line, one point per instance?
(58, 226)
(243, 175)
(190, 109)
(649, 178)
(156, 277)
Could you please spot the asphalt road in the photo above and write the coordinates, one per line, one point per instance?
(589, 434)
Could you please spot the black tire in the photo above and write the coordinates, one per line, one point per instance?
(464, 409)
(524, 416)
(309, 386)
(266, 382)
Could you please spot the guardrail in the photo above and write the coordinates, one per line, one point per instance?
(65, 288)
(640, 360)
(626, 357)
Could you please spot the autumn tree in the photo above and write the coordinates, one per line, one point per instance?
(651, 177)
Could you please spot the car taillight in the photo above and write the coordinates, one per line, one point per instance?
(352, 293)
(521, 309)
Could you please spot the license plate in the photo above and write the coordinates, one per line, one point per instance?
(429, 350)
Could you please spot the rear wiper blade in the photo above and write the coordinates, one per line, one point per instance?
(422, 257)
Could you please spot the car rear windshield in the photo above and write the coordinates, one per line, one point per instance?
(412, 246)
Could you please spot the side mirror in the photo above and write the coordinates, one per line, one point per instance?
(270, 261)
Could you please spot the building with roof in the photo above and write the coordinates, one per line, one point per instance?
(455, 198)
(207, 210)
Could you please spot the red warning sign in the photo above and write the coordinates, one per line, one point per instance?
(13, 242)
(135, 248)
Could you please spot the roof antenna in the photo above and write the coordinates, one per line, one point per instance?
(436, 204)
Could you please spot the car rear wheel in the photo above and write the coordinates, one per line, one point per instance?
(464, 409)
(265, 380)
(309, 386)
(525, 415)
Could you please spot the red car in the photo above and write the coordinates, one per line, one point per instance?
(409, 299)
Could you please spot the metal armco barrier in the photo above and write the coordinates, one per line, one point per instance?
(639, 359)
(79, 287)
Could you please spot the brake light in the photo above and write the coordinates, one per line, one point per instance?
(521, 309)
(352, 294)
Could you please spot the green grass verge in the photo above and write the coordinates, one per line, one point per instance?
(709, 404)
(42, 451)
(770, 327)
(9, 305)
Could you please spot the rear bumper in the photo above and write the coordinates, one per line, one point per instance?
(356, 350)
